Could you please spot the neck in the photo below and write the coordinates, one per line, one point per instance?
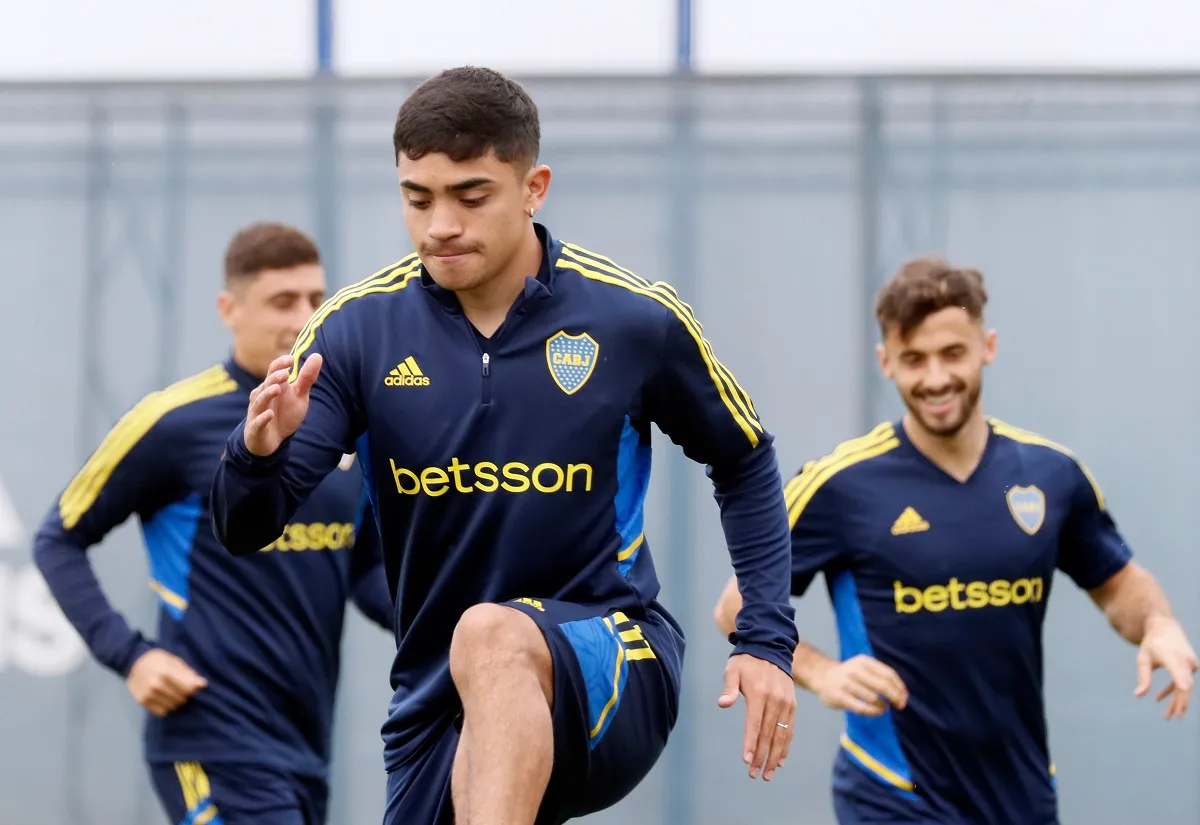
(487, 304)
(249, 364)
(958, 454)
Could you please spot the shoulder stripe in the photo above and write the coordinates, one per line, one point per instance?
(1026, 437)
(688, 314)
(742, 412)
(799, 491)
(85, 487)
(389, 279)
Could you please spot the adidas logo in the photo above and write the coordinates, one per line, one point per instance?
(910, 521)
(406, 374)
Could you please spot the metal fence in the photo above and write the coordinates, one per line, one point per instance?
(776, 206)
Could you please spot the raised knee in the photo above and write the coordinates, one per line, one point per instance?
(488, 634)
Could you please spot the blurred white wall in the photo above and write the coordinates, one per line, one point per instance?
(142, 39)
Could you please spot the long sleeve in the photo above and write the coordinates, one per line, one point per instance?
(253, 497)
(696, 402)
(128, 473)
(368, 581)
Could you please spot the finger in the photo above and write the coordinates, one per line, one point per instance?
(729, 694)
(772, 710)
(789, 719)
(154, 706)
(754, 715)
(168, 695)
(281, 362)
(871, 687)
(864, 693)
(1165, 692)
(256, 425)
(1144, 672)
(308, 373)
(781, 738)
(262, 401)
(888, 683)
(1179, 705)
(185, 680)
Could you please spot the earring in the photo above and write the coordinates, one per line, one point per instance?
(530, 210)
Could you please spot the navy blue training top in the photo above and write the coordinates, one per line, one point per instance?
(516, 466)
(265, 630)
(948, 583)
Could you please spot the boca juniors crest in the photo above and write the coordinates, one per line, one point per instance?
(571, 359)
(1028, 507)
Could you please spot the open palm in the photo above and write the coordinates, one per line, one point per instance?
(278, 406)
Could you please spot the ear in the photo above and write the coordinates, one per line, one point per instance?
(989, 347)
(537, 186)
(885, 366)
(226, 306)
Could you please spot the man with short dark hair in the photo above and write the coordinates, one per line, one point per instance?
(240, 681)
(939, 536)
(502, 385)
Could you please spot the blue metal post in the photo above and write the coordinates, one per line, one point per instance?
(680, 768)
(684, 28)
(324, 37)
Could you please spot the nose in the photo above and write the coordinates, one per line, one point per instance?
(444, 224)
(937, 377)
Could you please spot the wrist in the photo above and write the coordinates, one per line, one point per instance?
(1158, 621)
(811, 667)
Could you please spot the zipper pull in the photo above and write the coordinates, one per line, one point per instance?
(486, 359)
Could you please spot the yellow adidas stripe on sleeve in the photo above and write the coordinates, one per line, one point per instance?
(389, 279)
(799, 491)
(86, 486)
(735, 399)
(1026, 437)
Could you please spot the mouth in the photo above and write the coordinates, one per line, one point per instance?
(939, 403)
(449, 257)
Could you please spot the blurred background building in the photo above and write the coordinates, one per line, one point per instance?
(774, 159)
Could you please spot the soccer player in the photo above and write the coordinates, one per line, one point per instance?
(500, 385)
(239, 682)
(938, 536)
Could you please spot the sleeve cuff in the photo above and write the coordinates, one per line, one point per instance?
(249, 464)
(775, 654)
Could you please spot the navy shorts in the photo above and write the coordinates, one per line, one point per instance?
(616, 699)
(862, 799)
(234, 794)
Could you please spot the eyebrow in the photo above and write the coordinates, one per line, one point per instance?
(461, 186)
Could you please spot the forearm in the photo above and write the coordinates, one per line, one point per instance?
(809, 665)
(251, 501)
(754, 520)
(1133, 602)
(72, 581)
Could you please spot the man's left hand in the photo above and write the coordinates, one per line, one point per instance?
(1165, 645)
(770, 711)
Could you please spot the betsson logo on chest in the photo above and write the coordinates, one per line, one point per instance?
(519, 477)
(978, 594)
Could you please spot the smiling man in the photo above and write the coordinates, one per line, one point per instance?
(501, 384)
(939, 536)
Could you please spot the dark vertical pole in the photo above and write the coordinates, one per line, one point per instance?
(325, 168)
(680, 771)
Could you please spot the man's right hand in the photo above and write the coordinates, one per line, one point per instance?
(277, 408)
(861, 685)
(160, 681)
